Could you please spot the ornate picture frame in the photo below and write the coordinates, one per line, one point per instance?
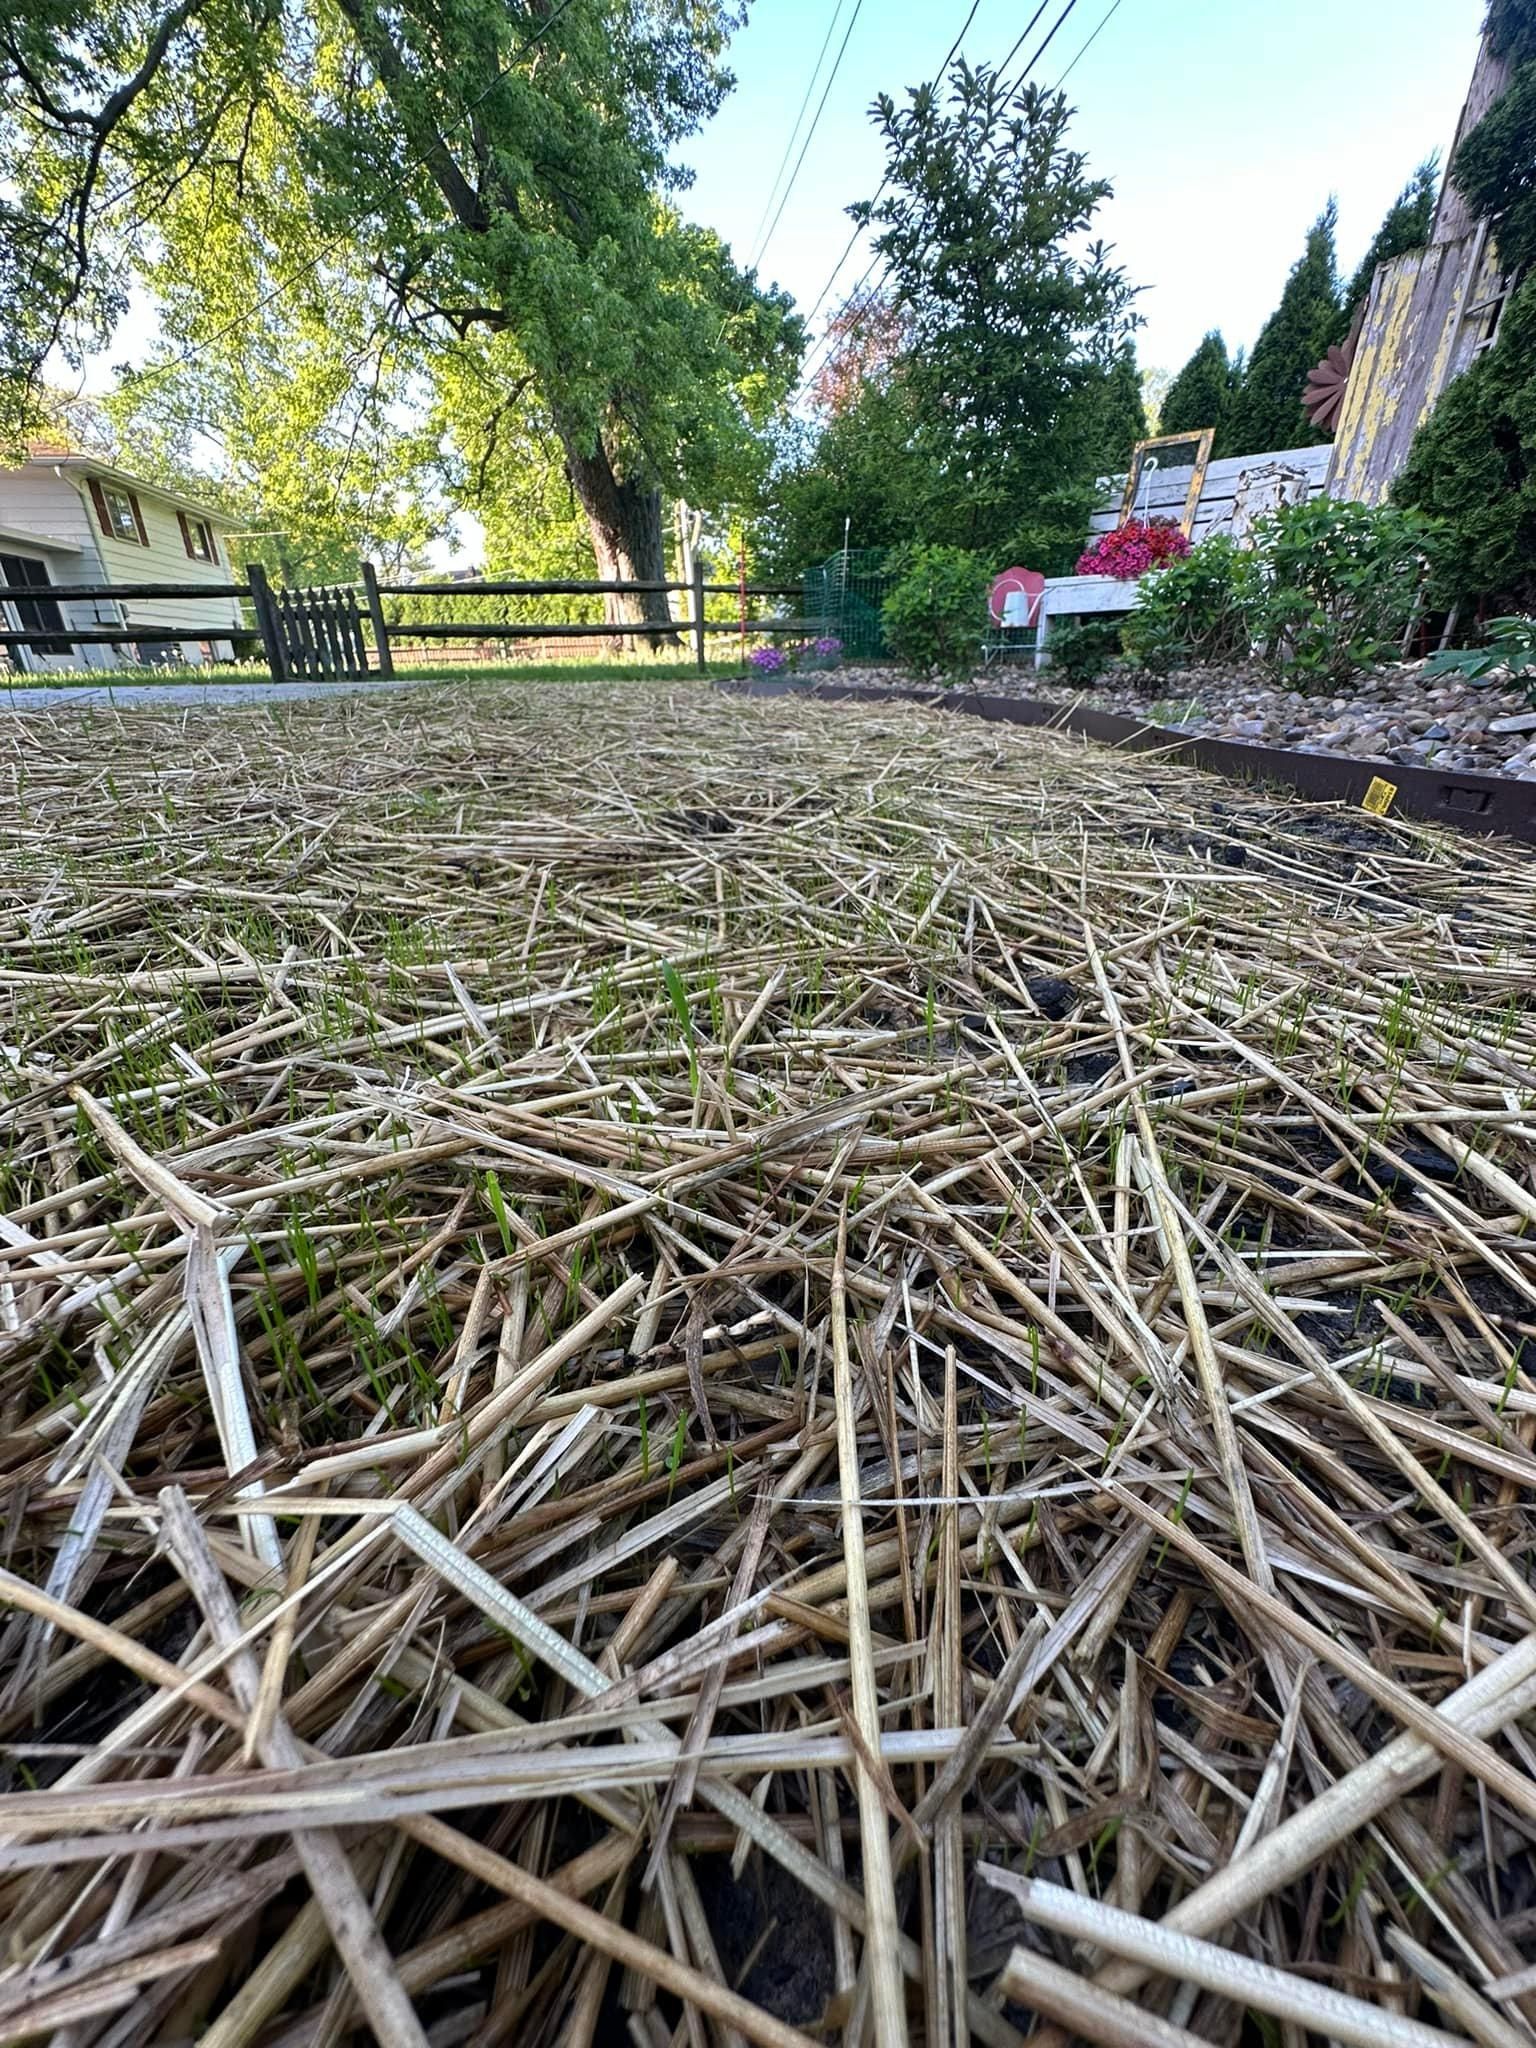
(1200, 439)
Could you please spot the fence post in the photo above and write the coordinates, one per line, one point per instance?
(266, 621)
(698, 611)
(386, 661)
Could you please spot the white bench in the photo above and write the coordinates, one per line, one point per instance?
(1069, 597)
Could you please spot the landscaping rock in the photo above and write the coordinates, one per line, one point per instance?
(1396, 714)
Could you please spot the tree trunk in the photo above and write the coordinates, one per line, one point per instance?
(627, 539)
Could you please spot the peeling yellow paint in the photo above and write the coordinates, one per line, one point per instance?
(1403, 360)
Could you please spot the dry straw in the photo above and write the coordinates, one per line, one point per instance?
(690, 1371)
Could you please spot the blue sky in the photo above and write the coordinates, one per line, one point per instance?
(1222, 124)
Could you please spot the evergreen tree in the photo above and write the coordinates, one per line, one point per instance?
(1495, 168)
(1266, 410)
(1118, 413)
(1201, 394)
(1473, 466)
(1406, 226)
(1015, 325)
(1473, 461)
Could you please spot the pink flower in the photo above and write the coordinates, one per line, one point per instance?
(1131, 550)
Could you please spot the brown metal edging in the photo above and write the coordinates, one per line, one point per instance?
(1466, 801)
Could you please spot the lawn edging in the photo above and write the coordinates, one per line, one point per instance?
(1468, 801)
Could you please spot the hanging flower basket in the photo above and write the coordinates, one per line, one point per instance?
(1133, 549)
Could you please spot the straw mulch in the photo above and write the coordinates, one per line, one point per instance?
(688, 1371)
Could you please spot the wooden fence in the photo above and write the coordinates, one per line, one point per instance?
(341, 632)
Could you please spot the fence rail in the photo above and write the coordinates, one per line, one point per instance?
(343, 631)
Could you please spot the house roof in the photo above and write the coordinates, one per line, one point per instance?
(93, 465)
(50, 543)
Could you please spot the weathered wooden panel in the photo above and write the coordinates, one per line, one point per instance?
(1165, 497)
(1490, 75)
(1403, 361)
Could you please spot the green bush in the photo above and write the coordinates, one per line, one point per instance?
(1510, 645)
(935, 617)
(1473, 466)
(1197, 610)
(1077, 651)
(1337, 585)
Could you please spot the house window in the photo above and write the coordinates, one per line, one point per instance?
(118, 513)
(33, 614)
(197, 538)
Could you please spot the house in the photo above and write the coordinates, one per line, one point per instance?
(74, 520)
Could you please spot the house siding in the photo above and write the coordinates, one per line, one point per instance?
(56, 504)
(163, 560)
(39, 500)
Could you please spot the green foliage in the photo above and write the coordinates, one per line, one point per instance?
(1117, 412)
(1495, 168)
(1511, 28)
(1339, 584)
(391, 189)
(1201, 394)
(1266, 411)
(1079, 650)
(1014, 327)
(313, 422)
(1511, 646)
(865, 466)
(1049, 536)
(935, 615)
(1406, 226)
(1197, 610)
(1472, 467)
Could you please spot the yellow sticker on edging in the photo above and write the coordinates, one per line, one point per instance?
(1378, 797)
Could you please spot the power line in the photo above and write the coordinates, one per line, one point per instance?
(810, 133)
(848, 246)
(810, 87)
(1028, 28)
(1114, 8)
(1050, 37)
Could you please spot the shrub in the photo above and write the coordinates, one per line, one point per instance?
(1197, 610)
(935, 616)
(1078, 651)
(1337, 586)
(1473, 467)
(1133, 549)
(1511, 646)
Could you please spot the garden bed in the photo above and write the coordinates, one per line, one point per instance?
(657, 1342)
(1461, 798)
(1398, 715)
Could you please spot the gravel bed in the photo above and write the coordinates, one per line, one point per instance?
(1398, 714)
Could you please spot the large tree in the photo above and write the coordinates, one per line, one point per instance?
(1118, 412)
(1015, 322)
(1266, 410)
(1200, 395)
(469, 169)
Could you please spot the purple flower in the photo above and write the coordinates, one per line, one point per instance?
(830, 646)
(766, 658)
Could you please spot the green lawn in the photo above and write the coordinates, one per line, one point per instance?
(412, 672)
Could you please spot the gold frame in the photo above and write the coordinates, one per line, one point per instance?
(1204, 438)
